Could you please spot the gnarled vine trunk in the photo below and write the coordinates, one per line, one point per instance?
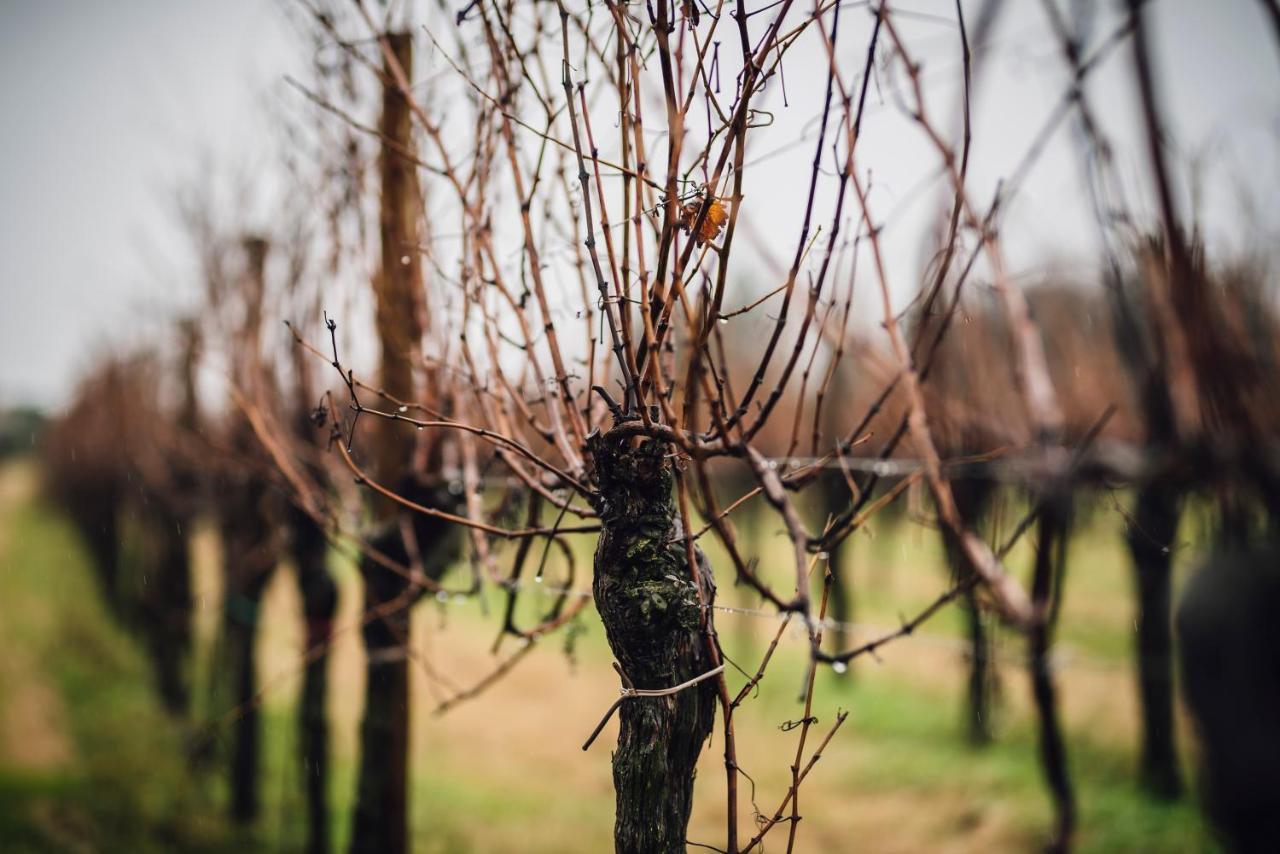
(656, 619)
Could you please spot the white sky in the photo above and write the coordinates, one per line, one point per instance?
(106, 107)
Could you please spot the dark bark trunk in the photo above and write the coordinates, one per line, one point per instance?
(96, 517)
(1045, 589)
(398, 286)
(381, 821)
(241, 634)
(172, 509)
(250, 526)
(319, 601)
(314, 726)
(168, 621)
(1155, 524)
(841, 599)
(1230, 665)
(982, 679)
(653, 615)
(249, 555)
(381, 812)
(973, 497)
(839, 564)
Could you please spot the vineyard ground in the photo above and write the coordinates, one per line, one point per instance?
(88, 762)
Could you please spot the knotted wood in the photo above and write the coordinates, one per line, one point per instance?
(653, 615)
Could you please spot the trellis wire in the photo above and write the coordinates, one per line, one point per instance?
(1062, 658)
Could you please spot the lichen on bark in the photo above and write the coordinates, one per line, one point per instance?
(653, 615)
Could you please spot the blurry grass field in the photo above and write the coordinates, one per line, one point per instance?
(88, 762)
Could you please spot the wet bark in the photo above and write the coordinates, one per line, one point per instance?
(653, 616)
(1150, 537)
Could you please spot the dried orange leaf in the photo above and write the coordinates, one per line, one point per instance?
(711, 223)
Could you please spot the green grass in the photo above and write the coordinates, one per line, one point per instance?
(127, 787)
(505, 771)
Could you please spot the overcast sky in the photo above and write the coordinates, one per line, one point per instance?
(106, 107)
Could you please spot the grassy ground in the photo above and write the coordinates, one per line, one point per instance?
(87, 762)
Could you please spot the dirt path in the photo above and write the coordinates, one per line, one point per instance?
(33, 732)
